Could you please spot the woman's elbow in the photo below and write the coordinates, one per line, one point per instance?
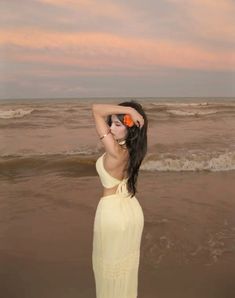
(94, 107)
(97, 109)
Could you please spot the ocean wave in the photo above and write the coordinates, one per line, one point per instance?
(59, 164)
(213, 162)
(195, 104)
(79, 160)
(191, 104)
(40, 159)
(80, 152)
(191, 113)
(17, 113)
(191, 109)
(20, 112)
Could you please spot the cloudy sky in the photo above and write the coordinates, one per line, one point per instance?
(107, 48)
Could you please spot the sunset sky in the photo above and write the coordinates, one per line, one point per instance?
(87, 48)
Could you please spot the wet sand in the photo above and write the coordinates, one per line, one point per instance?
(188, 244)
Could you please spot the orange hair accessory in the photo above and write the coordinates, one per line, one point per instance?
(128, 120)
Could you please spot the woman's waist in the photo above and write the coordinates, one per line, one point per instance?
(117, 198)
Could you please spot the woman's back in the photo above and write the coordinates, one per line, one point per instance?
(112, 171)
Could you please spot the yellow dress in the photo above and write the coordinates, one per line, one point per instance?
(117, 233)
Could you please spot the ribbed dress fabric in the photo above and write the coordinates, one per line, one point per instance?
(117, 233)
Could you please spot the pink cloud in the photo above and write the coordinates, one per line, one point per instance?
(96, 8)
(106, 52)
(209, 18)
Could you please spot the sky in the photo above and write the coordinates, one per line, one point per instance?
(88, 48)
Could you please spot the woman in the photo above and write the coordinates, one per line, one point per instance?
(119, 218)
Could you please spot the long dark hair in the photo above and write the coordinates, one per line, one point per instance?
(136, 142)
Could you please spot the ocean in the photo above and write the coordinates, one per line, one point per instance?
(59, 135)
(49, 190)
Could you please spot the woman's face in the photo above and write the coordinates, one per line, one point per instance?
(118, 129)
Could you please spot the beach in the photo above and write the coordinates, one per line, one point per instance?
(49, 191)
